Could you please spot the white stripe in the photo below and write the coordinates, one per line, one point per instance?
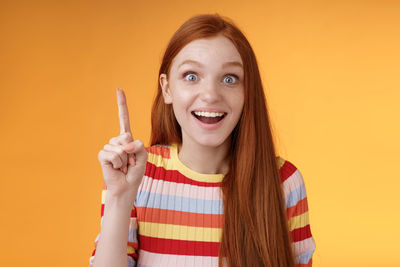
(303, 246)
(293, 182)
(171, 260)
(180, 189)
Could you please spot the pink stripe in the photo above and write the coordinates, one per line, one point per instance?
(168, 260)
(179, 189)
(304, 245)
(292, 183)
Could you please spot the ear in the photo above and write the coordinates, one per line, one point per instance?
(165, 89)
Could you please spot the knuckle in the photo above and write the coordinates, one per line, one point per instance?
(140, 143)
(119, 150)
(114, 156)
(113, 141)
(100, 155)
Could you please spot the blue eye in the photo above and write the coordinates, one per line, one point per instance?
(230, 78)
(190, 76)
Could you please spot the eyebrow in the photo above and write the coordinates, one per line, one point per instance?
(226, 64)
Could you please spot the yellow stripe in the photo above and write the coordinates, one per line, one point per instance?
(174, 163)
(103, 196)
(180, 232)
(281, 161)
(299, 221)
(159, 161)
(130, 250)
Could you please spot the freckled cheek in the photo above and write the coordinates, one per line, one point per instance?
(183, 105)
(236, 101)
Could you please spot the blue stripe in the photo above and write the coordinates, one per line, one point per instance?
(131, 262)
(305, 257)
(178, 203)
(295, 196)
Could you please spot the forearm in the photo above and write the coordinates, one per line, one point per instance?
(112, 246)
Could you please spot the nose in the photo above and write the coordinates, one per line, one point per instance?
(210, 92)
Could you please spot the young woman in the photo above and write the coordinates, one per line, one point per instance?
(209, 191)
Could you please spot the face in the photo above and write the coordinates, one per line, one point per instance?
(205, 88)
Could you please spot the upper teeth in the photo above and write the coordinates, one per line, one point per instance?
(208, 114)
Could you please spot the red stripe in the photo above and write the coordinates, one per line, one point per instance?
(179, 247)
(287, 170)
(133, 212)
(160, 173)
(133, 255)
(300, 234)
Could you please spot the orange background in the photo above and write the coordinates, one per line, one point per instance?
(331, 75)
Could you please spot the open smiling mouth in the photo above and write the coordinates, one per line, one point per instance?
(209, 117)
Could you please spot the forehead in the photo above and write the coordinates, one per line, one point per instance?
(213, 50)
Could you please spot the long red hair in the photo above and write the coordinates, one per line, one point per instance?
(255, 231)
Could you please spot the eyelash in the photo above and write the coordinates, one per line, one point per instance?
(229, 74)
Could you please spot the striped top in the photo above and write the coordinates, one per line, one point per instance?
(177, 216)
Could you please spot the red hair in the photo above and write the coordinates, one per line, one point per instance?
(255, 230)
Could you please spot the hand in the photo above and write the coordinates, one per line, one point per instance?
(123, 160)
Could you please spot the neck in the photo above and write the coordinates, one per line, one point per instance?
(205, 159)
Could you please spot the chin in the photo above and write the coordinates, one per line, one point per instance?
(211, 141)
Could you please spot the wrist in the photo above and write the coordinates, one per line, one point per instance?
(125, 200)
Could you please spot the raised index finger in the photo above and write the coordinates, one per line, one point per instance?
(123, 112)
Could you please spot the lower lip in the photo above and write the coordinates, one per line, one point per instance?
(209, 126)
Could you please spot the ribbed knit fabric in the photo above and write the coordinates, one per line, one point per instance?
(176, 220)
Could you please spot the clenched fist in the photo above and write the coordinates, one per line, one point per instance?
(123, 160)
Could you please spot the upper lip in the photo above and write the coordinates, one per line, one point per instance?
(209, 110)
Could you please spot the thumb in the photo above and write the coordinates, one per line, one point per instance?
(136, 151)
(138, 169)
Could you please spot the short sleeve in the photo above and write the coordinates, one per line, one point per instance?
(133, 244)
(303, 243)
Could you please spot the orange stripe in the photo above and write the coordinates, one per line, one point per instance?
(300, 207)
(159, 150)
(309, 264)
(155, 215)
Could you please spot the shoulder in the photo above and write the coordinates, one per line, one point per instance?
(297, 213)
(288, 171)
(292, 182)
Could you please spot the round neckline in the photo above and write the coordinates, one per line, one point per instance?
(192, 174)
